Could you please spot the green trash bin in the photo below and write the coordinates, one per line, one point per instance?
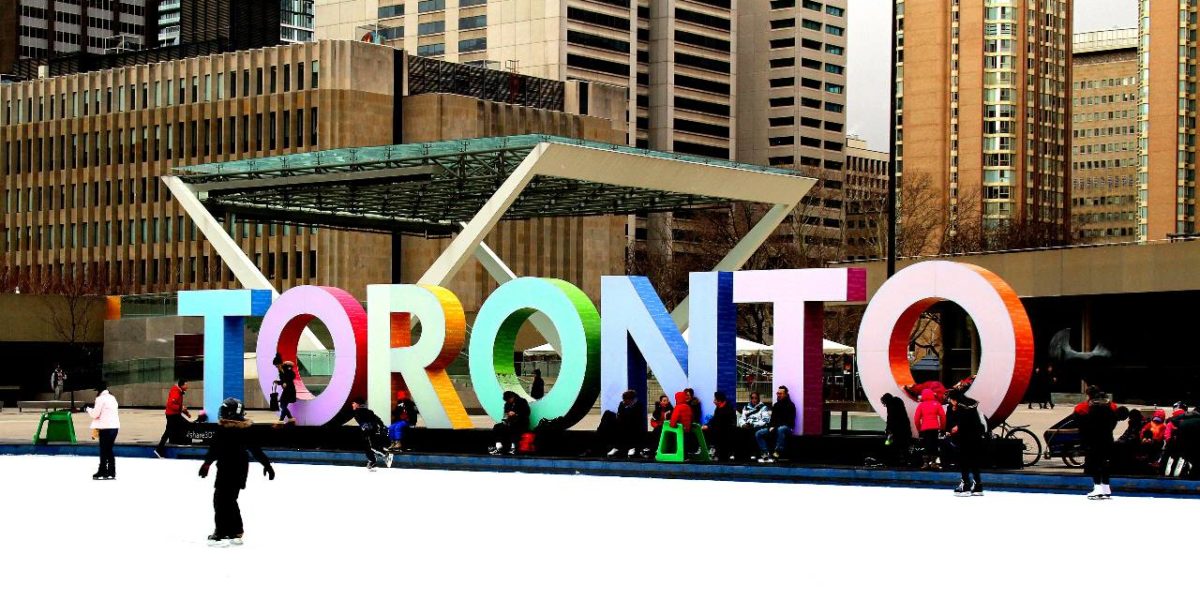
(59, 427)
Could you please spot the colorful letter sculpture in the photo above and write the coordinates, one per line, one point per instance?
(637, 332)
(395, 363)
(1005, 335)
(346, 321)
(224, 313)
(494, 336)
(799, 296)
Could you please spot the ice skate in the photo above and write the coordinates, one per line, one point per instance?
(236, 540)
(1105, 491)
(387, 460)
(217, 541)
(977, 489)
(371, 466)
(495, 450)
(1097, 493)
(158, 453)
(962, 490)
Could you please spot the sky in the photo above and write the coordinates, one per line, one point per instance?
(868, 68)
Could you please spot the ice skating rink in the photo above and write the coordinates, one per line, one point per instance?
(343, 532)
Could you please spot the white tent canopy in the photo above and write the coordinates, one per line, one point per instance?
(744, 347)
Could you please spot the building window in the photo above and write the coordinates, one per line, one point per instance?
(431, 28)
(431, 50)
(783, 43)
(474, 22)
(395, 10)
(430, 5)
(472, 45)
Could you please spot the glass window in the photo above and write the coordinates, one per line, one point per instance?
(474, 22)
(472, 45)
(395, 10)
(431, 49)
(429, 5)
(431, 28)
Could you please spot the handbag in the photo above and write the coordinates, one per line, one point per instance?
(274, 398)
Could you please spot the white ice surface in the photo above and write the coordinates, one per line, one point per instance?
(342, 532)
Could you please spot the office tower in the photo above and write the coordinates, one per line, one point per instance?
(255, 23)
(1167, 119)
(866, 186)
(984, 89)
(39, 29)
(1104, 137)
(81, 156)
(792, 103)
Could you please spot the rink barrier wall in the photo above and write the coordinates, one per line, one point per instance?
(994, 481)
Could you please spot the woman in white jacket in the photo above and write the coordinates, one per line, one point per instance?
(106, 422)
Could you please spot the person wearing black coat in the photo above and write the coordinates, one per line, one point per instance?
(783, 419)
(373, 433)
(721, 430)
(538, 389)
(967, 430)
(287, 381)
(1097, 420)
(228, 449)
(898, 430)
(514, 424)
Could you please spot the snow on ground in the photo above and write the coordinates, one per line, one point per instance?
(332, 532)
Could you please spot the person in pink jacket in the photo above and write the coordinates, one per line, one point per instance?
(930, 420)
(106, 422)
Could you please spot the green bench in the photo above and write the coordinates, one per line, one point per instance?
(677, 452)
(59, 427)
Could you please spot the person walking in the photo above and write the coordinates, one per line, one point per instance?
(177, 417)
(106, 422)
(538, 390)
(1097, 420)
(930, 419)
(967, 428)
(58, 380)
(228, 450)
(287, 394)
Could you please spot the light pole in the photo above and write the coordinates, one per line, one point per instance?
(891, 204)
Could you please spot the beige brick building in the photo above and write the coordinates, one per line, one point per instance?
(81, 156)
(1167, 119)
(865, 230)
(984, 89)
(1104, 154)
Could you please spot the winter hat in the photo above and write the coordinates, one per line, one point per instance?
(681, 397)
(1159, 415)
(927, 395)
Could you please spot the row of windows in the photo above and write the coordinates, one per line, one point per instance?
(813, 5)
(1103, 83)
(703, 19)
(1104, 131)
(193, 139)
(1105, 99)
(1101, 148)
(1103, 116)
(1114, 200)
(158, 94)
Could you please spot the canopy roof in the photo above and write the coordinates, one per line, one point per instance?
(431, 188)
(744, 347)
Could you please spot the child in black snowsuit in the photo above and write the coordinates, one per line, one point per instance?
(374, 433)
(228, 449)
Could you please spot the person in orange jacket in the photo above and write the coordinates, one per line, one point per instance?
(930, 419)
(682, 416)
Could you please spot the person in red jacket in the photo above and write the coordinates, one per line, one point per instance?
(177, 415)
(930, 420)
(682, 416)
(1097, 416)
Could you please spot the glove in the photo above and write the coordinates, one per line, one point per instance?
(269, 472)
(204, 470)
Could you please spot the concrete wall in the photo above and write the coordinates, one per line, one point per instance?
(29, 318)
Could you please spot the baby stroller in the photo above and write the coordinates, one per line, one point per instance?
(1064, 441)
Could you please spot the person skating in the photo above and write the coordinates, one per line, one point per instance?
(287, 395)
(783, 419)
(514, 423)
(967, 428)
(228, 449)
(898, 431)
(930, 419)
(107, 422)
(177, 414)
(373, 433)
(1097, 420)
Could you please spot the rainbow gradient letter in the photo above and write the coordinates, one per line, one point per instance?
(224, 313)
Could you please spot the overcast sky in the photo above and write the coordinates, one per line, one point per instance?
(869, 39)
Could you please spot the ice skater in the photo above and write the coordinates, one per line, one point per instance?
(106, 423)
(373, 432)
(1097, 420)
(228, 449)
(177, 414)
(287, 383)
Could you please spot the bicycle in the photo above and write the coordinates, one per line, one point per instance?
(1031, 446)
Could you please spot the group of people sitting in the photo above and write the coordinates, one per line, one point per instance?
(1155, 445)
(728, 431)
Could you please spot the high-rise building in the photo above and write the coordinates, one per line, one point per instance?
(675, 56)
(191, 21)
(1104, 137)
(792, 102)
(38, 29)
(983, 91)
(1167, 119)
(866, 179)
(81, 156)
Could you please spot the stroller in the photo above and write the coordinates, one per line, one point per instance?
(1064, 441)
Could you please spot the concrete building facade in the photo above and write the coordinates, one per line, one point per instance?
(865, 229)
(1167, 119)
(1104, 137)
(182, 20)
(82, 155)
(984, 111)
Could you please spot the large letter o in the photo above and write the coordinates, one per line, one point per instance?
(1005, 336)
(494, 336)
(346, 320)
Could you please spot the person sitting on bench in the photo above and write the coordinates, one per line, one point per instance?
(783, 418)
(515, 422)
(721, 429)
